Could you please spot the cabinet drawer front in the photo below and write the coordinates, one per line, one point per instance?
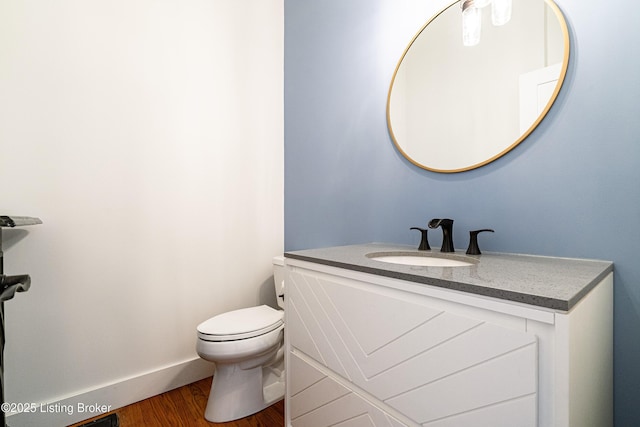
(434, 361)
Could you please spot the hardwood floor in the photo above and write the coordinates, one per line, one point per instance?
(184, 406)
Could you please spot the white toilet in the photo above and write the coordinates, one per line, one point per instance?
(247, 347)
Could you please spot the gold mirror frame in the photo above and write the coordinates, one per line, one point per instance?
(508, 146)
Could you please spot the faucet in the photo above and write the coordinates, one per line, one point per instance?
(447, 233)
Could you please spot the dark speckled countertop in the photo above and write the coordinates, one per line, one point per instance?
(555, 283)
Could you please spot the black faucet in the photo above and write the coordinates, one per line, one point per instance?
(447, 233)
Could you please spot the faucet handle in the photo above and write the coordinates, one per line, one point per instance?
(473, 248)
(424, 241)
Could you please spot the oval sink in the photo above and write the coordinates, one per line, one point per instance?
(416, 259)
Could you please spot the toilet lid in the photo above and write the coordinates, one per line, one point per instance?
(241, 324)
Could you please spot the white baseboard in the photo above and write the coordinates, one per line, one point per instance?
(102, 399)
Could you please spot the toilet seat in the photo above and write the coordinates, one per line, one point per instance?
(241, 324)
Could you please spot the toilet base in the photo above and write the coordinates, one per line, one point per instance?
(237, 393)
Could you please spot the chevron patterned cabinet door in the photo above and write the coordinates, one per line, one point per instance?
(424, 361)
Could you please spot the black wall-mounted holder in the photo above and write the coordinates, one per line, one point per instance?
(9, 285)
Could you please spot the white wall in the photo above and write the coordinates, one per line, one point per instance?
(148, 137)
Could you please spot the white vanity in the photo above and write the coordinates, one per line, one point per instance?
(510, 340)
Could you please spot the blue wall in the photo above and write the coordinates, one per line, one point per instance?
(571, 189)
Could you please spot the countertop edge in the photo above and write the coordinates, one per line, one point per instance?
(589, 287)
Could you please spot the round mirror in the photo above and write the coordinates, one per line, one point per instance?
(453, 107)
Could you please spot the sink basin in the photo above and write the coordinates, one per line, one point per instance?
(418, 259)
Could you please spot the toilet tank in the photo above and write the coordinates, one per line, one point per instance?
(278, 279)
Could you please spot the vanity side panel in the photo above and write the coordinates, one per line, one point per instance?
(547, 392)
(584, 355)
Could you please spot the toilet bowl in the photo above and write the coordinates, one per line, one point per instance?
(246, 346)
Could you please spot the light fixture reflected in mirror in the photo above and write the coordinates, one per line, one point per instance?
(471, 23)
(481, 3)
(472, 17)
(500, 12)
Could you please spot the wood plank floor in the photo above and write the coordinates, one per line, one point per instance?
(184, 406)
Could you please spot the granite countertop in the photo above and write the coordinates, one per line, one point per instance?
(555, 283)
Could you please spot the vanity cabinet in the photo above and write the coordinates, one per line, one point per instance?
(368, 350)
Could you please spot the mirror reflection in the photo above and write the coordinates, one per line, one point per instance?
(454, 107)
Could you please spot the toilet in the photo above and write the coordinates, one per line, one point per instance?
(246, 346)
